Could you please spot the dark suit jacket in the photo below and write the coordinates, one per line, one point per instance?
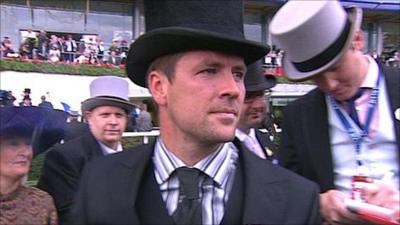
(62, 170)
(75, 129)
(109, 189)
(305, 141)
(265, 142)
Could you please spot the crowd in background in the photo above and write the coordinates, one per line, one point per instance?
(41, 46)
(68, 48)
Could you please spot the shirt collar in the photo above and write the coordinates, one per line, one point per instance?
(107, 150)
(216, 165)
(372, 74)
(242, 136)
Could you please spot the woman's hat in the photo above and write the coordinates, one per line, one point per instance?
(175, 26)
(44, 126)
(108, 91)
(314, 35)
(256, 80)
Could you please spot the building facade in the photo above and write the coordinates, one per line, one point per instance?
(123, 19)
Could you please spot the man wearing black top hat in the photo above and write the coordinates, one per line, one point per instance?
(193, 61)
(253, 113)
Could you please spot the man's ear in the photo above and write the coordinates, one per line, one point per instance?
(87, 115)
(358, 41)
(158, 85)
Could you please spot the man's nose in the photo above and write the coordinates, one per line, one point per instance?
(231, 86)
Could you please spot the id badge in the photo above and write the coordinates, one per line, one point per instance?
(357, 184)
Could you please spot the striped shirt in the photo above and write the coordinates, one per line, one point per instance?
(215, 184)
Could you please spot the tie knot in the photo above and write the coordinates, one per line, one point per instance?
(358, 94)
(189, 182)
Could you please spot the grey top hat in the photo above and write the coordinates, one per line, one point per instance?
(314, 35)
(108, 91)
(175, 26)
(256, 80)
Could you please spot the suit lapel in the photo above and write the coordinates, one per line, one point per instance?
(92, 147)
(392, 78)
(265, 142)
(320, 151)
(263, 201)
(132, 172)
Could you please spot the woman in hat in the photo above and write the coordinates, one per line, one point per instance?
(24, 133)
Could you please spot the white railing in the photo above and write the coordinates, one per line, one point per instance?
(145, 135)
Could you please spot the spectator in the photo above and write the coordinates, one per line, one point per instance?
(3, 98)
(7, 49)
(31, 41)
(54, 53)
(106, 112)
(26, 101)
(343, 133)
(113, 59)
(25, 132)
(99, 49)
(114, 47)
(44, 103)
(43, 45)
(69, 47)
(143, 121)
(253, 112)
(124, 51)
(10, 98)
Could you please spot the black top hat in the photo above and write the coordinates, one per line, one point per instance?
(27, 90)
(44, 126)
(255, 80)
(175, 26)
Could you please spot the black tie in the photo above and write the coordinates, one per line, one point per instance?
(189, 208)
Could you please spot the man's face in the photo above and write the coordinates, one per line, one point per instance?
(203, 101)
(253, 110)
(107, 123)
(344, 78)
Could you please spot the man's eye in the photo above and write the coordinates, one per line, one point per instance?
(208, 71)
(239, 75)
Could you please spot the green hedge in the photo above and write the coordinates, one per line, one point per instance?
(59, 68)
(73, 69)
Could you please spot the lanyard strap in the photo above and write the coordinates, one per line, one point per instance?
(358, 137)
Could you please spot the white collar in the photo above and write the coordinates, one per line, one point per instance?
(372, 74)
(107, 150)
(242, 136)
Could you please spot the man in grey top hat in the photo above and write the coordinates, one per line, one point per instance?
(193, 60)
(343, 134)
(106, 112)
(253, 112)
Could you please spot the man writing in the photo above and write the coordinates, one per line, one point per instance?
(193, 63)
(341, 135)
(107, 115)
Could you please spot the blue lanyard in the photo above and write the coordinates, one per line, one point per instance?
(357, 137)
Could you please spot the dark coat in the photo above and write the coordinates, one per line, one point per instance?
(265, 142)
(75, 129)
(272, 195)
(62, 170)
(305, 141)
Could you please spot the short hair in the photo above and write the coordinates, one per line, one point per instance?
(166, 64)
